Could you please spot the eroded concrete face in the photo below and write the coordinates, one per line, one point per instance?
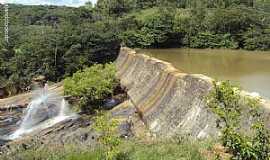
(169, 101)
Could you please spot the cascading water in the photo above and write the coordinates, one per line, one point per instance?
(45, 110)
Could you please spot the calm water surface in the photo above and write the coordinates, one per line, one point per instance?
(251, 70)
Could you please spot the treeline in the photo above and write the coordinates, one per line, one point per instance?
(191, 23)
(54, 42)
(58, 41)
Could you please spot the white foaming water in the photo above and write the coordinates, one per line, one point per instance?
(44, 111)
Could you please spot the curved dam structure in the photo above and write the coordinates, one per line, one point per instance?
(168, 101)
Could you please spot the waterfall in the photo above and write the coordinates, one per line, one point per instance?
(45, 110)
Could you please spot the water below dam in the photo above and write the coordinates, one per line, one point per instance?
(45, 110)
(248, 69)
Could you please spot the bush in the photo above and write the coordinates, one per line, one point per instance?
(154, 29)
(233, 20)
(141, 38)
(92, 85)
(108, 128)
(208, 40)
(225, 101)
(182, 21)
(256, 39)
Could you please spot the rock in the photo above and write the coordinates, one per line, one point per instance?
(23, 100)
(39, 78)
(124, 113)
(42, 113)
(110, 103)
(9, 121)
(3, 93)
(70, 132)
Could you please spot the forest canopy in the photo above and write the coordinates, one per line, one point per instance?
(57, 41)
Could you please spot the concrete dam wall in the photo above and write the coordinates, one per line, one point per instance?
(168, 101)
(171, 102)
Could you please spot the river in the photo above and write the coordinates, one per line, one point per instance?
(248, 69)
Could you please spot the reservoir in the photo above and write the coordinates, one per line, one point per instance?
(248, 69)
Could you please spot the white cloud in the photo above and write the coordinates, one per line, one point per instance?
(75, 3)
(2, 1)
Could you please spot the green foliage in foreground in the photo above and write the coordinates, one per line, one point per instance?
(225, 100)
(92, 85)
(108, 128)
(128, 150)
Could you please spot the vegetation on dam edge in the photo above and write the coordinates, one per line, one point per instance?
(230, 106)
(92, 86)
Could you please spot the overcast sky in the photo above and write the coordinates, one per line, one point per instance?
(74, 3)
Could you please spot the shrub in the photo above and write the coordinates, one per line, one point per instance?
(107, 127)
(154, 29)
(256, 39)
(225, 100)
(209, 40)
(141, 38)
(182, 21)
(92, 85)
(234, 20)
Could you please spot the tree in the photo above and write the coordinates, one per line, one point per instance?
(88, 5)
(115, 7)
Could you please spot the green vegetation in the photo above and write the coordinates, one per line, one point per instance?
(197, 24)
(129, 150)
(58, 41)
(108, 128)
(92, 85)
(54, 42)
(225, 101)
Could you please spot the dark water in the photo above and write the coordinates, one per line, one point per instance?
(251, 70)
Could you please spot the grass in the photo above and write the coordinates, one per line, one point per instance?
(163, 151)
(129, 150)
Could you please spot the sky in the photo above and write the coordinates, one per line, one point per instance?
(74, 3)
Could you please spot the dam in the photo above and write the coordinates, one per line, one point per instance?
(168, 100)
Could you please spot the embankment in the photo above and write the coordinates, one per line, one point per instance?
(167, 100)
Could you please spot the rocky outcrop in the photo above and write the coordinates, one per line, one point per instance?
(22, 100)
(72, 132)
(168, 101)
